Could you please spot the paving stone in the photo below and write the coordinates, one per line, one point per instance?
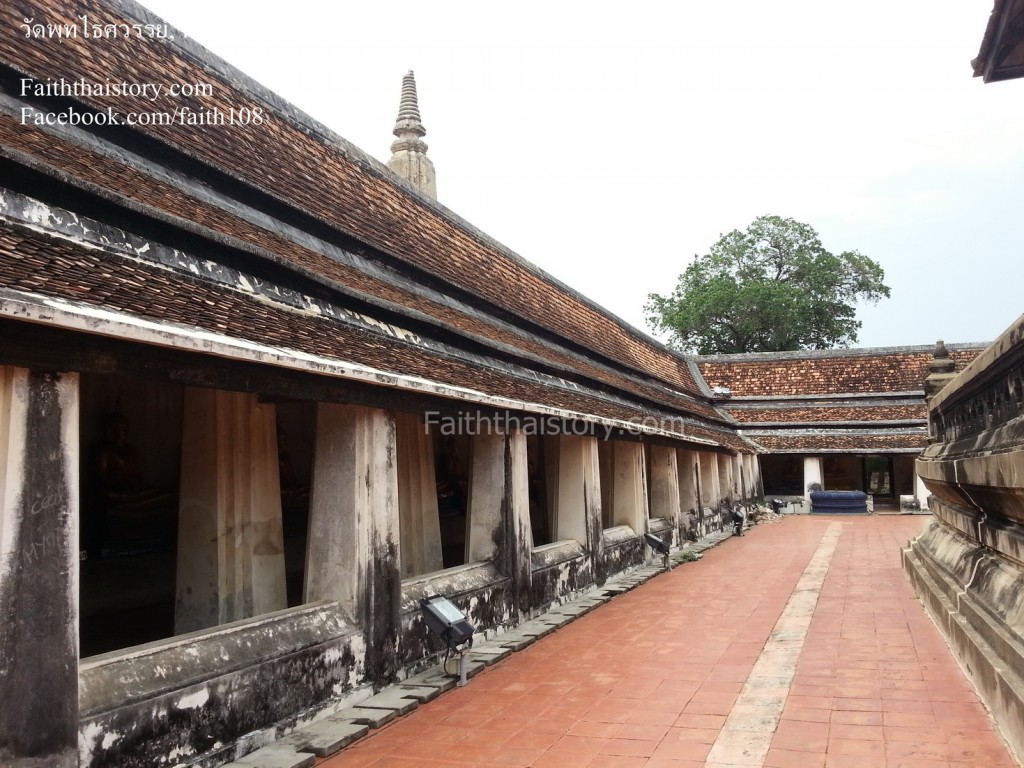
(325, 737)
(422, 693)
(535, 628)
(517, 642)
(556, 620)
(490, 654)
(617, 590)
(390, 699)
(435, 677)
(574, 609)
(474, 667)
(274, 756)
(374, 718)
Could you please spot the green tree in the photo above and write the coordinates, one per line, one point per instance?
(771, 288)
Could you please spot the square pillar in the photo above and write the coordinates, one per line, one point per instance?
(710, 484)
(688, 463)
(551, 447)
(39, 568)
(498, 520)
(352, 550)
(725, 482)
(420, 525)
(487, 491)
(230, 537)
(629, 486)
(753, 476)
(578, 503)
(666, 493)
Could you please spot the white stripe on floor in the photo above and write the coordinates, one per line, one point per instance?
(747, 734)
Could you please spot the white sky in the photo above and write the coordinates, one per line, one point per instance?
(610, 143)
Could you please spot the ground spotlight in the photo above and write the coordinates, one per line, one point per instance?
(450, 624)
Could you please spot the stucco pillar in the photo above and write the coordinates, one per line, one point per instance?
(725, 483)
(39, 458)
(739, 477)
(689, 473)
(551, 444)
(710, 484)
(666, 496)
(417, 497)
(629, 489)
(352, 550)
(487, 498)
(812, 474)
(754, 476)
(498, 520)
(578, 504)
(230, 539)
(269, 591)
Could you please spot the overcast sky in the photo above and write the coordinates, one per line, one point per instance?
(610, 143)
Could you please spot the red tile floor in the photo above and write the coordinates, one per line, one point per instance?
(724, 662)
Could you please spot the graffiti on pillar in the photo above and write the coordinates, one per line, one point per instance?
(38, 627)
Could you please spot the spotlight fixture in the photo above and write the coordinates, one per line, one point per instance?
(450, 624)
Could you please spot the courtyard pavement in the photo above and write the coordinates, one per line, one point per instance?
(800, 644)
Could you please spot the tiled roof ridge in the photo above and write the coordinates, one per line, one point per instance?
(619, 341)
(802, 402)
(755, 357)
(759, 401)
(804, 430)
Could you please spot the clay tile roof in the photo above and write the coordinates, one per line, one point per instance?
(855, 400)
(841, 412)
(853, 371)
(842, 443)
(290, 158)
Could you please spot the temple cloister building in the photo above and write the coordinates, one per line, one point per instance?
(841, 420)
(261, 393)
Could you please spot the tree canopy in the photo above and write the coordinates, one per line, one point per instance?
(771, 288)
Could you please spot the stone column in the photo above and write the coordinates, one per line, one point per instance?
(754, 475)
(739, 477)
(689, 502)
(666, 497)
(39, 504)
(269, 592)
(417, 497)
(629, 490)
(551, 445)
(487, 498)
(498, 520)
(230, 539)
(711, 492)
(578, 505)
(725, 482)
(352, 550)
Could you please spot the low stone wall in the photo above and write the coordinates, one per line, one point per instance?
(189, 699)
